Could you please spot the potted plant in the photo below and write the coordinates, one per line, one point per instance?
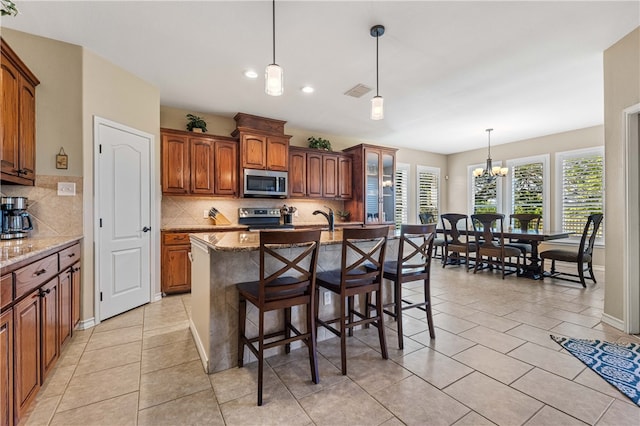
(319, 143)
(196, 124)
(344, 215)
(8, 7)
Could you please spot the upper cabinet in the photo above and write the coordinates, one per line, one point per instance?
(18, 119)
(373, 184)
(319, 174)
(198, 165)
(263, 144)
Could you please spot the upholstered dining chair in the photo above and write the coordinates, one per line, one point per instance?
(457, 248)
(583, 257)
(283, 284)
(488, 229)
(426, 218)
(361, 247)
(524, 222)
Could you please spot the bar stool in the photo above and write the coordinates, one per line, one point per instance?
(293, 284)
(413, 264)
(359, 246)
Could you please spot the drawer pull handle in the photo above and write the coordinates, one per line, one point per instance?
(44, 292)
(40, 272)
(72, 254)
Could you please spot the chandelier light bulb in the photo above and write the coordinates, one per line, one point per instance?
(377, 108)
(274, 80)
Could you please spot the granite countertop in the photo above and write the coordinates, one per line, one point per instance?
(202, 228)
(14, 251)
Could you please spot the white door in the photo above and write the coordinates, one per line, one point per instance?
(123, 199)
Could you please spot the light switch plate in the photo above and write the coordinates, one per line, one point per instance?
(327, 298)
(66, 188)
(205, 214)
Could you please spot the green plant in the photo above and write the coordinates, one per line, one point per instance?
(8, 7)
(319, 143)
(196, 122)
(344, 214)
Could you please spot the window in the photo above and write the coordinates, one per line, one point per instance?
(581, 177)
(485, 192)
(401, 214)
(529, 186)
(428, 191)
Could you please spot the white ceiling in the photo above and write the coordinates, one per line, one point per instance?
(448, 69)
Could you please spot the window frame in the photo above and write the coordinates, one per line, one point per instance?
(472, 187)
(546, 185)
(435, 171)
(402, 167)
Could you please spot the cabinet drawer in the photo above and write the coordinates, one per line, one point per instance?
(175, 238)
(33, 275)
(69, 256)
(6, 290)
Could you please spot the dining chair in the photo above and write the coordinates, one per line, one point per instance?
(360, 247)
(412, 264)
(583, 257)
(456, 249)
(524, 222)
(284, 282)
(488, 229)
(426, 218)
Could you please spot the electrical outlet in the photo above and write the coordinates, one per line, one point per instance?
(205, 214)
(327, 298)
(66, 188)
(295, 214)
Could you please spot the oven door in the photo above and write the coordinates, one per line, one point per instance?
(265, 183)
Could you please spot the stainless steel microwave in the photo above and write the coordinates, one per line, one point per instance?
(265, 183)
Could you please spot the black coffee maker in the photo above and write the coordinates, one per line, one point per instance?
(15, 219)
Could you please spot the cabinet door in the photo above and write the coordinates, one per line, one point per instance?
(176, 269)
(10, 123)
(329, 176)
(345, 177)
(64, 303)
(226, 168)
(388, 168)
(372, 199)
(253, 151)
(314, 175)
(50, 312)
(277, 153)
(26, 323)
(27, 142)
(201, 162)
(297, 173)
(6, 368)
(175, 164)
(76, 282)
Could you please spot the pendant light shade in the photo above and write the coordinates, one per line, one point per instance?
(490, 169)
(377, 103)
(273, 74)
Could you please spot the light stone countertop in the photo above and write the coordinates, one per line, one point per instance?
(14, 251)
(203, 228)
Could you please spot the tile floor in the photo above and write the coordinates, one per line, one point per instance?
(492, 362)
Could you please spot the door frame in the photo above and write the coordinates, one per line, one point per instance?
(153, 211)
(631, 231)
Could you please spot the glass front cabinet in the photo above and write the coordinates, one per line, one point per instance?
(373, 177)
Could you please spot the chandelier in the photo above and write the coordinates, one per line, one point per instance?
(493, 171)
(377, 102)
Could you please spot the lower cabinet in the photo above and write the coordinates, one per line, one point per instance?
(26, 349)
(6, 367)
(50, 314)
(176, 267)
(76, 285)
(64, 302)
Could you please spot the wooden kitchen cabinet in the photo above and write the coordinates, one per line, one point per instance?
(345, 177)
(26, 349)
(65, 303)
(263, 144)
(297, 173)
(76, 285)
(50, 314)
(314, 175)
(6, 368)
(319, 174)
(329, 176)
(198, 165)
(17, 119)
(176, 267)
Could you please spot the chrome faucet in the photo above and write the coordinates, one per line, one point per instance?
(329, 217)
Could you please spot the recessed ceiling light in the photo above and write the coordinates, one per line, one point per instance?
(308, 89)
(250, 74)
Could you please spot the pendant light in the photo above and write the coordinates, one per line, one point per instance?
(273, 74)
(493, 171)
(377, 102)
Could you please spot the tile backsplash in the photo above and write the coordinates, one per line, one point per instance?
(52, 215)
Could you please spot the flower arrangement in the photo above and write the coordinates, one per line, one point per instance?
(319, 143)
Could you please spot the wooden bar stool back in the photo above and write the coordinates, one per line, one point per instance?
(283, 284)
(360, 246)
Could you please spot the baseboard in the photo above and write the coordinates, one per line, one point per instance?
(199, 346)
(88, 323)
(157, 297)
(613, 322)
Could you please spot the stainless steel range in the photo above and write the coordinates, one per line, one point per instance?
(257, 218)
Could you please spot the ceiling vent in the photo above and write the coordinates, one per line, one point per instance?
(358, 91)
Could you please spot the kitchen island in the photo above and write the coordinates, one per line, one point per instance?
(219, 261)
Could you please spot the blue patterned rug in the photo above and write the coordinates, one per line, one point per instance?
(618, 364)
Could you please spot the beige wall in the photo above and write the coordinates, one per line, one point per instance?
(621, 90)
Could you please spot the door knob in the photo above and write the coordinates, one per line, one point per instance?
(146, 229)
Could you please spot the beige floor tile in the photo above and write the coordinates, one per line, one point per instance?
(171, 383)
(551, 416)
(493, 364)
(200, 408)
(293, 356)
(166, 335)
(491, 321)
(392, 422)
(109, 357)
(621, 413)
(451, 323)
(414, 401)
(593, 380)
(345, 403)
(57, 381)
(473, 419)
(567, 396)
(169, 355)
(445, 342)
(371, 372)
(410, 325)
(296, 376)
(42, 412)
(481, 394)
(114, 337)
(555, 362)
(165, 320)
(434, 367)
(535, 335)
(330, 349)
(100, 386)
(237, 382)
(71, 353)
(81, 335)
(500, 309)
(578, 332)
(370, 337)
(456, 309)
(127, 319)
(121, 410)
(533, 319)
(574, 318)
(492, 339)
